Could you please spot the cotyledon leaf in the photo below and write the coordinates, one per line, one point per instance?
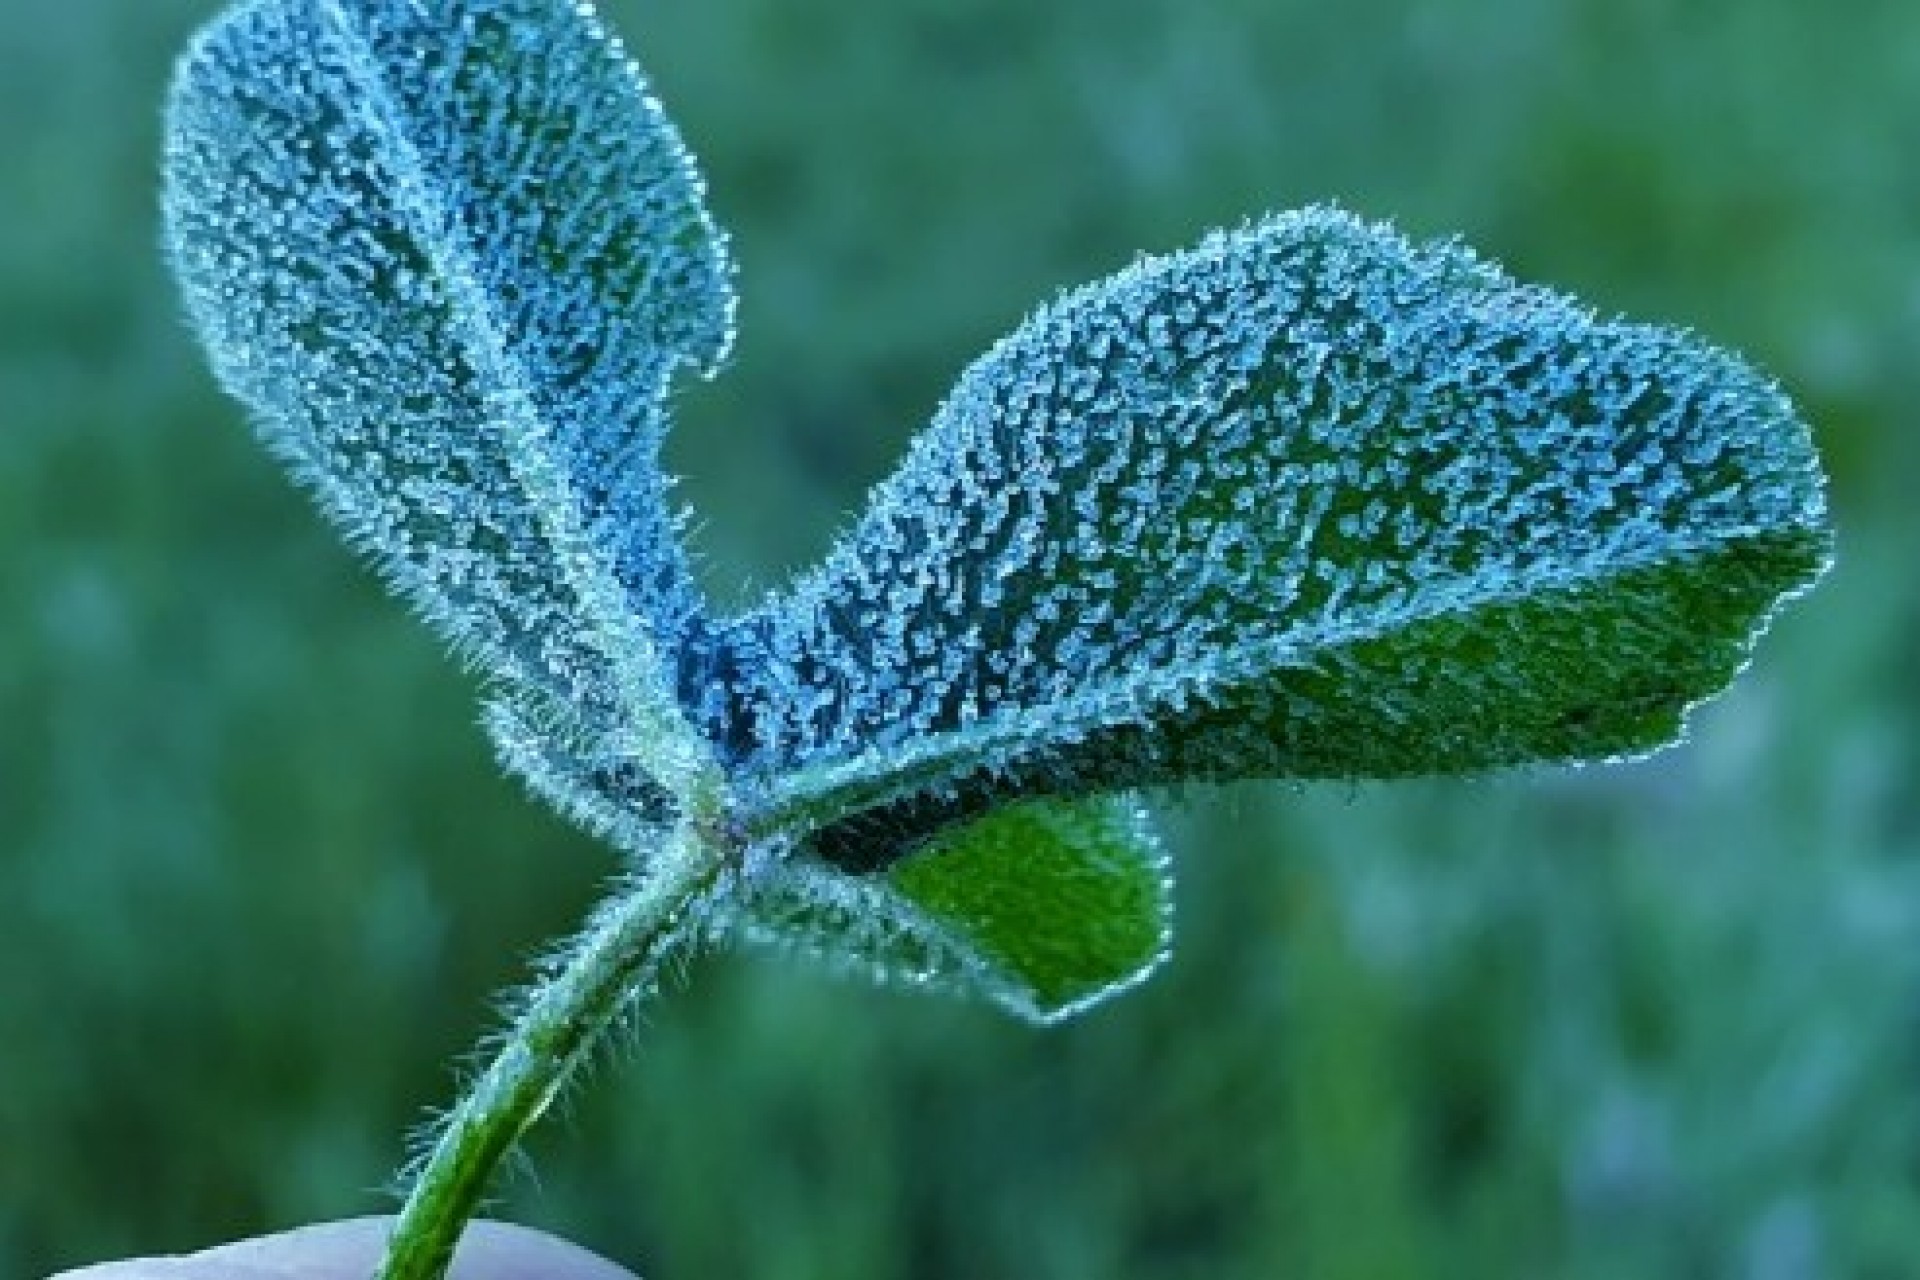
(1047, 907)
(1306, 500)
(449, 253)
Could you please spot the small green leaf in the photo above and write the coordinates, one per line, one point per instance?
(1308, 500)
(1047, 907)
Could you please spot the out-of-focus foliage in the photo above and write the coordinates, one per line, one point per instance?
(256, 869)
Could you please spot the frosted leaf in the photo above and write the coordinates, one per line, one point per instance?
(1307, 500)
(1047, 907)
(449, 253)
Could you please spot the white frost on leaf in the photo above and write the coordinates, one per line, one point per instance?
(450, 255)
(1305, 500)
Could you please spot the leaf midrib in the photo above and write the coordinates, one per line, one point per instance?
(659, 735)
(814, 797)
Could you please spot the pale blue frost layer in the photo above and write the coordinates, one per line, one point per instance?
(1305, 500)
(450, 255)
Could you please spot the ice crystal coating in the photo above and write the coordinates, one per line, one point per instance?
(1307, 500)
(1045, 907)
(449, 255)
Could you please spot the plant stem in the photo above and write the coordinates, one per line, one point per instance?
(617, 955)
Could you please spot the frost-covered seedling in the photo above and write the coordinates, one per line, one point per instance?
(1303, 501)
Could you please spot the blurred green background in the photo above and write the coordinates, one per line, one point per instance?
(258, 877)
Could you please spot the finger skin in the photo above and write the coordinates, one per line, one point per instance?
(350, 1250)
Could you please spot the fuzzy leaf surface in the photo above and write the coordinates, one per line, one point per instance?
(449, 254)
(1046, 907)
(1307, 500)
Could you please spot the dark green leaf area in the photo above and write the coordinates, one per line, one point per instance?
(1592, 671)
(1066, 902)
(1044, 906)
(1305, 500)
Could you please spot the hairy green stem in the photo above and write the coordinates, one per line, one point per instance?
(618, 954)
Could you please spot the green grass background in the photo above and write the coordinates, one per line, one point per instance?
(258, 877)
